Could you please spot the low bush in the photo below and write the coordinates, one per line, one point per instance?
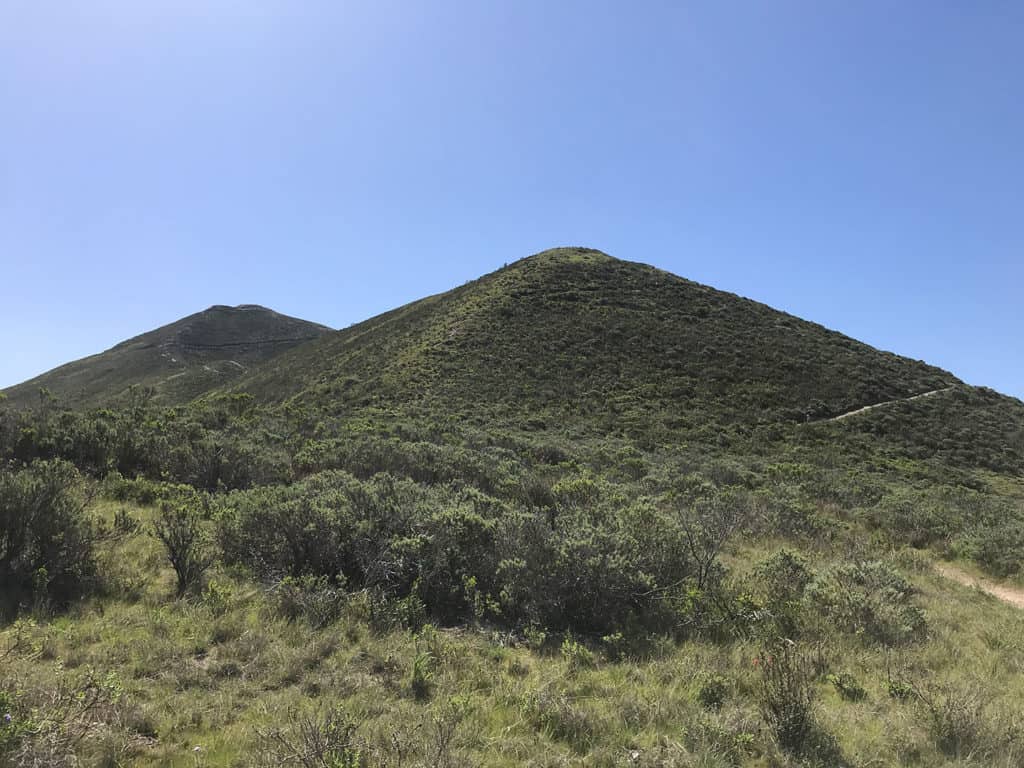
(459, 554)
(847, 686)
(778, 584)
(326, 739)
(47, 541)
(44, 727)
(999, 547)
(313, 598)
(786, 695)
(179, 527)
(421, 675)
(577, 656)
(871, 600)
(713, 691)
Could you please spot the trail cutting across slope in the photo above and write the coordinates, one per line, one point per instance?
(1012, 595)
(867, 408)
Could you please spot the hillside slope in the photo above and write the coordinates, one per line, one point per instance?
(573, 330)
(574, 338)
(180, 360)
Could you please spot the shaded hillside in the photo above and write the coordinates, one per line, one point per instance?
(179, 361)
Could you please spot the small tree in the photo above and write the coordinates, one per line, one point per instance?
(180, 530)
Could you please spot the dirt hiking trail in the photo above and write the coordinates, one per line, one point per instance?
(867, 408)
(1012, 595)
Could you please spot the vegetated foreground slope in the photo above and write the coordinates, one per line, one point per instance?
(180, 360)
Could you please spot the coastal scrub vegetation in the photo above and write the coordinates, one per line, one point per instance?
(578, 512)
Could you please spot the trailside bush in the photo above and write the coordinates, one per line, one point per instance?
(869, 599)
(46, 538)
(596, 571)
(385, 534)
(998, 547)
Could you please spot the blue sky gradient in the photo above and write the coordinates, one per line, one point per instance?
(860, 165)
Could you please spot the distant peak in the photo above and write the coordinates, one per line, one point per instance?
(238, 308)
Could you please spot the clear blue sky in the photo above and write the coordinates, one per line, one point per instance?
(860, 164)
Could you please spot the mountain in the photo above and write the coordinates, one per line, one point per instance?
(573, 338)
(572, 329)
(179, 361)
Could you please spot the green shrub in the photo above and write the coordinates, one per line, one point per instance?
(217, 596)
(15, 723)
(847, 686)
(464, 555)
(179, 527)
(126, 523)
(899, 689)
(48, 725)
(577, 656)
(713, 691)
(786, 695)
(778, 583)
(421, 675)
(313, 598)
(597, 572)
(871, 600)
(46, 538)
(999, 547)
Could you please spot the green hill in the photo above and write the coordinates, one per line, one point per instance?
(570, 329)
(179, 361)
(574, 339)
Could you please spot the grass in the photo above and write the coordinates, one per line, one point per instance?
(216, 672)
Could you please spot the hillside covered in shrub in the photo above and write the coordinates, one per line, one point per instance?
(577, 512)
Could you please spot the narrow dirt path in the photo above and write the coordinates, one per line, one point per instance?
(867, 408)
(1012, 595)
